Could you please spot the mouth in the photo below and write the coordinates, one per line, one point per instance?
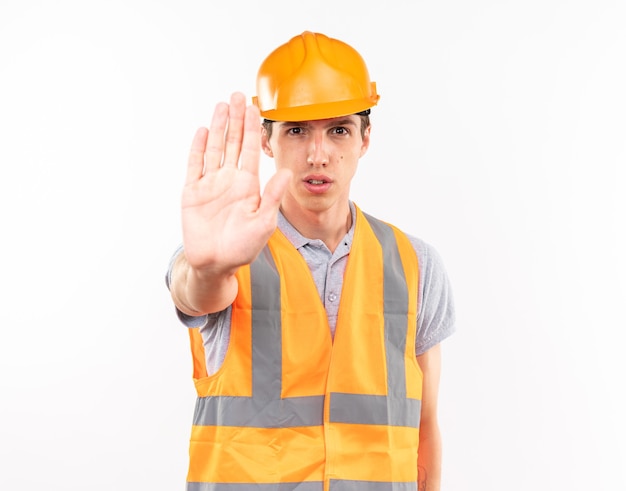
(317, 179)
(317, 184)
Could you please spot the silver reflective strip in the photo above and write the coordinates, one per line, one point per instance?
(285, 486)
(265, 409)
(341, 485)
(374, 410)
(267, 353)
(394, 409)
(248, 411)
(396, 304)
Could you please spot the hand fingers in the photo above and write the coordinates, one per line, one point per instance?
(235, 132)
(215, 143)
(251, 145)
(195, 164)
(274, 192)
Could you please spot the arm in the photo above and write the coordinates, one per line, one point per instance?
(195, 293)
(225, 220)
(429, 458)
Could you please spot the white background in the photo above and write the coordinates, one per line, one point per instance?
(499, 138)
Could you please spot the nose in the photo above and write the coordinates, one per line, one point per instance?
(318, 154)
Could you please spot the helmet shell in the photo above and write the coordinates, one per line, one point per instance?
(313, 77)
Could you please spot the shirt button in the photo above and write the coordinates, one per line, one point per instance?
(332, 297)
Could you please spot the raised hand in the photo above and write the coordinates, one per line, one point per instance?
(226, 222)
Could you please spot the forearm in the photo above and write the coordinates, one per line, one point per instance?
(198, 293)
(429, 458)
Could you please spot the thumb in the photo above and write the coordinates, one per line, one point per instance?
(274, 192)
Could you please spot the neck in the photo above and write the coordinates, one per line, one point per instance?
(329, 226)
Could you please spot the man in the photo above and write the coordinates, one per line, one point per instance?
(315, 328)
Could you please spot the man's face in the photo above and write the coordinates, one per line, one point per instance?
(322, 155)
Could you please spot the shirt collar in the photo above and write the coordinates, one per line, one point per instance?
(298, 240)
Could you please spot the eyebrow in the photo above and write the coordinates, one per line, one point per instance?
(331, 124)
(344, 122)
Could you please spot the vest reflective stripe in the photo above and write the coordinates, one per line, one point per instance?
(249, 411)
(266, 330)
(335, 485)
(269, 413)
(374, 410)
(288, 486)
(396, 299)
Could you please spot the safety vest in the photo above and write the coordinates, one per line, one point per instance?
(291, 409)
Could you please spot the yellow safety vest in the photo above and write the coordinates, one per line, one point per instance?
(291, 409)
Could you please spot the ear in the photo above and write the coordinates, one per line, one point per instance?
(366, 141)
(265, 144)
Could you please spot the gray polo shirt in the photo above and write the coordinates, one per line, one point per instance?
(435, 320)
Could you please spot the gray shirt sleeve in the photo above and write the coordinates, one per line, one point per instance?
(436, 315)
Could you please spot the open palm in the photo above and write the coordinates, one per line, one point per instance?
(226, 222)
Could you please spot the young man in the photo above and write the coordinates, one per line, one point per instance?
(315, 328)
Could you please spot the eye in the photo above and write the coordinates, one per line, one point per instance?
(296, 130)
(340, 130)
